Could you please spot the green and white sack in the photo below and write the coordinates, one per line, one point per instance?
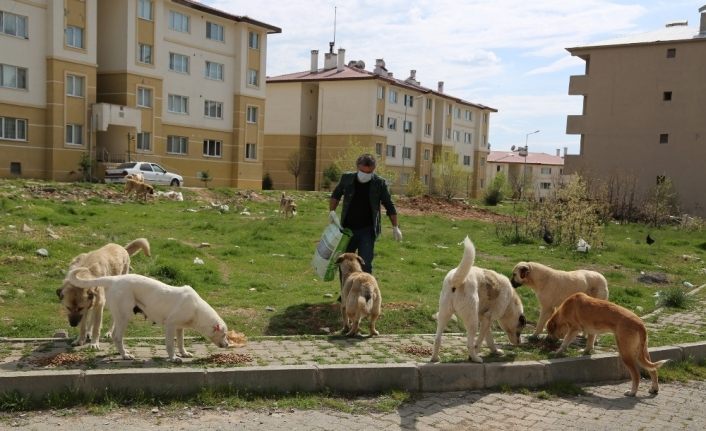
(333, 242)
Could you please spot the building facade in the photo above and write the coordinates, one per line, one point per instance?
(539, 174)
(320, 112)
(643, 111)
(168, 81)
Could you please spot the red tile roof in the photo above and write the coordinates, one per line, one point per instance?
(532, 158)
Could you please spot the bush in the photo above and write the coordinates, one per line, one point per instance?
(267, 182)
(661, 203)
(674, 297)
(497, 190)
(414, 187)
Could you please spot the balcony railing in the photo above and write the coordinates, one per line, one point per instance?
(575, 124)
(578, 85)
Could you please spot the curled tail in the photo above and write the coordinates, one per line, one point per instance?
(464, 268)
(83, 278)
(137, 245)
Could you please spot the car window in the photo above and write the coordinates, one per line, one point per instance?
(126, 165)
(158, 168)
(146, 167)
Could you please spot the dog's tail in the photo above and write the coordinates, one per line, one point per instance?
(644, 358)
(137, 245)
(365, 300)
(464, 268)
(83, 278)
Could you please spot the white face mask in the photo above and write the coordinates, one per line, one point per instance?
(364, 177)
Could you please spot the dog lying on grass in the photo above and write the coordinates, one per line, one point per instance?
(360, 295)
(174, 307)
(580, 312)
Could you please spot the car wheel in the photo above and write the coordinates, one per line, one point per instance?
(174, 183)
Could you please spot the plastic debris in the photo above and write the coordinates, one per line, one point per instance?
(43, 252)
(583, 246)
(198, 261)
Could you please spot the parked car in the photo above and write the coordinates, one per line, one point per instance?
(153, 173)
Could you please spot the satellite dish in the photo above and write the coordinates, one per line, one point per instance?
(512, 148)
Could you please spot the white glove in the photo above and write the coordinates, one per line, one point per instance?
(333, 218)
(396, 233)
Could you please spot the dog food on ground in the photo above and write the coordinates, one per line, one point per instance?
(229, 358)
(415, 350)
(58, 360)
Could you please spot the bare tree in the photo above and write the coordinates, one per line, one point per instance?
(294, 166)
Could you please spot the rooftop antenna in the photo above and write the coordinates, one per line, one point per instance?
(331, 44)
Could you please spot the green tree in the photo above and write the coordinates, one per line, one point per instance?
(205, 176)
(415, 186)
(449, 176)
(84, 166)
(497, 191)
(345, 160)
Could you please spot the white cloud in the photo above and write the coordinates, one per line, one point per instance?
(560, 64)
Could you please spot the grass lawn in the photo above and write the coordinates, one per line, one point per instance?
(256, 259)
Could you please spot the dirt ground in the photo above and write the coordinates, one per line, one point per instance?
(457, 209)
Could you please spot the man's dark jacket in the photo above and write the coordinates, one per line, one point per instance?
(379, 194)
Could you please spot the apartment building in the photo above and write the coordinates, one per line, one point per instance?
(538, 174)
(319, 112)
(169, 81)
(643, 111)
(47, 86)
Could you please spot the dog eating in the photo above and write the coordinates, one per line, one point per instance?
(360, 295)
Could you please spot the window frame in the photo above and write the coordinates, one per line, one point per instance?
(217, 148)
(427, 154)
(221, 31)
(70, 41)
(407, 153)
(218, 68)
(173, 56)
(140, 9)
(381, 92)
(407, 126)
(183, 18)
(184, 102)
(16, 18)
(17, 121)
(256, 74)
(250, 112)
(389, 147)
(74, 127)
(141, 91)
(466, 160)
(216, 106)
(256, 44)
(140, 52)
(181, 141)
(250, 151)
(392, 123)
(140, 141)
(70, 77)
(392, 96)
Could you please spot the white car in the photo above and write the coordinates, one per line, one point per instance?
(153, 173)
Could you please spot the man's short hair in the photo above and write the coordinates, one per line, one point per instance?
(366, 160)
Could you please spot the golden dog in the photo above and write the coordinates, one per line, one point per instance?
(581, 312)
(136, 176)
(141, 189)
(552, 286)
(360, 294)
(85, 306)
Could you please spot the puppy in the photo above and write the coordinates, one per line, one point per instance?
(580, 312)
(360, 294)
(290, 208)
(478, 296)
(552, 286)
(85, 306)
(174, 307)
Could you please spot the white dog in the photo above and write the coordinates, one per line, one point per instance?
(174, 307)
(497, 301)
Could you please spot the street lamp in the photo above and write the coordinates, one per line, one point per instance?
(522, 151)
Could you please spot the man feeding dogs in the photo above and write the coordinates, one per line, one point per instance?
(363, 192)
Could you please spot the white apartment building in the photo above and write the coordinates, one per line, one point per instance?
(539, 174)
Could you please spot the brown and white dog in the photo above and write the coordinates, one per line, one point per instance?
(360, 294)
(85, 306)
(552, 286)
(478, 296)
(287, 206)
(141, 189)
(580, 312)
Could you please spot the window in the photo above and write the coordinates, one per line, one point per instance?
(406, 153)
(144, 9)
(427, 154)
(468, 115)
(380, 120)
(664, 138)
(482, 161)
(498, 168)
(212, 148)
(671, 52)
(74, 36)
(144, 97)
(485, 118)
(74, 85)
(546, 171)
(467, 137)
(178, 63)
(428, 104)
(251, 114)
(667, 96)
(250, 152)
(457, 135)
(450, 109)
(177, 144)
(178, 104)
(448, 133)
(378, 149)
(144, 141)
(458, 113)
(408, 127)
(214, 70)
(144, 53)
(427, 129)
(13, 129)
(408, 100)
(253, 78)
(390, 150)
(392, 96)
(253, 40)
(74, 134)
(16, 168)
(467, 160)
(404, 178)
(214, 31)
(545, 186)
(13, 25)
(426, 179)
(178, 22)
(381, 92)
(392, 123)
(213, 109)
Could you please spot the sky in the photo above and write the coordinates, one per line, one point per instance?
(507, 54)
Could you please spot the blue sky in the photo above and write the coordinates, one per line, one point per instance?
(508, 54)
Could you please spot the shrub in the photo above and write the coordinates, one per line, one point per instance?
(674, 297)
(497, 190)
(414, 187)
(661, 202)
(449, 175)
(267, 182)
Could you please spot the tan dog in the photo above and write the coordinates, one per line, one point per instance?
(360, 294)
(136, 176)
(85, 306)
(287, 206)
(581, 312)
(141, 189)
(552, 286)
(478, 296)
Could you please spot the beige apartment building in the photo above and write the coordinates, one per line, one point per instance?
(539, 174)
(319, 112)
(168, 81)
(643, 111)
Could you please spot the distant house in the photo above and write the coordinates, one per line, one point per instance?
(540, 173)
(643, 114)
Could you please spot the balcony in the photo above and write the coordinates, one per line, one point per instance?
(575, 124)
(578, 85)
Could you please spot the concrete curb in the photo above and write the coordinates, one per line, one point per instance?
(365, 378)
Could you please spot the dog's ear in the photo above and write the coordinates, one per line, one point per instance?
(523, 320)
(217, 327)
(60, 293)
(360, 259)
(340, 259)
(524, 270)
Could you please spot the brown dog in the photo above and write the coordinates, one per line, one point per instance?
(287, 206)
(141, 189)
(85, 306)
(360, 295)
(581, 312)
(552, 286)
